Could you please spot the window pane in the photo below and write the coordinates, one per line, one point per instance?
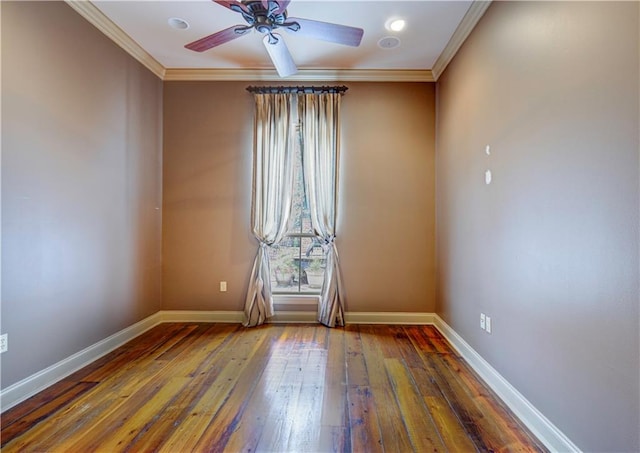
(297, 266)
(312, 264)
(300, 221)
(285, 272)
(297, 263)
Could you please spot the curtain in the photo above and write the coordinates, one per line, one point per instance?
(319, 119)
(271, 200)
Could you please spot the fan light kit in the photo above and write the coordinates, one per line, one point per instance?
(266, 16)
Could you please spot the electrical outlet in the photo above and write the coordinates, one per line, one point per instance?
(488, 324)
(482, 321)
(4, 342)
(223, 287)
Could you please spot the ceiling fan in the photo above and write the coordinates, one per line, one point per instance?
(266, 16)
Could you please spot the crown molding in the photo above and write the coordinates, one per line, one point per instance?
(95, 17)
(469, 21)
(303, 75)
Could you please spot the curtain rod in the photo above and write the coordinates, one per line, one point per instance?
(297, 89)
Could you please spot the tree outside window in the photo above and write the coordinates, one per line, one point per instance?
(298, 261)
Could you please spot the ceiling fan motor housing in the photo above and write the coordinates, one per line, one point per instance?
(265, 21)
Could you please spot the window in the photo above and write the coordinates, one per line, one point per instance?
(298, 261)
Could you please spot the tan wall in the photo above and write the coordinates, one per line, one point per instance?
(81, 181)
(550, 249)
(386, 217)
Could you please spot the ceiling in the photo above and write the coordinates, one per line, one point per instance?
(434, 31)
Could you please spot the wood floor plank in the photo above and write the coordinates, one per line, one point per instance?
(301, 387)
(363, 420)
(125, 425)
(23, 409)
(444, 418)
(263, 404)
(334, 424)
(489, 404)
(34, 416)
(105, 364)
(219, 337)
(85, 411)
(305, 427)
(284, 425)
(190, 430)
(466, 413)
(392, 428)
(491, 407)
(423, 434)
(356, 367)
(139, 352)
(485, 432)
(232, 413)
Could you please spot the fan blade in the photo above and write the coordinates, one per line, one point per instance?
(283, 6)
(218, 38)
(340, 34)
(233, 5)
(280, 55)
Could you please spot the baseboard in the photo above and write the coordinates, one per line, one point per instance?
(26, 388)
(299, 316)
(201, 316)
(540, 426)
(388, 318)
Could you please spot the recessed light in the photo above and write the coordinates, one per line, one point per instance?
(177, 23)
(389, 42)
(395, 24)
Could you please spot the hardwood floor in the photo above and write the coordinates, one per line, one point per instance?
(221, 387)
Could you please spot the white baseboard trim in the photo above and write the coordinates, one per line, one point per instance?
(540, 426)
(235, 316)
(201, 316)
(26, 388)
(299, 316)
(388, 318)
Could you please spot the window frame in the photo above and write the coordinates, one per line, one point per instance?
(296, 130)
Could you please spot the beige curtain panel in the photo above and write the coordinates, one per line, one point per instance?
(271, 195)
(319, 119)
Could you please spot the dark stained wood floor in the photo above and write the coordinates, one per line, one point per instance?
(220, 387)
